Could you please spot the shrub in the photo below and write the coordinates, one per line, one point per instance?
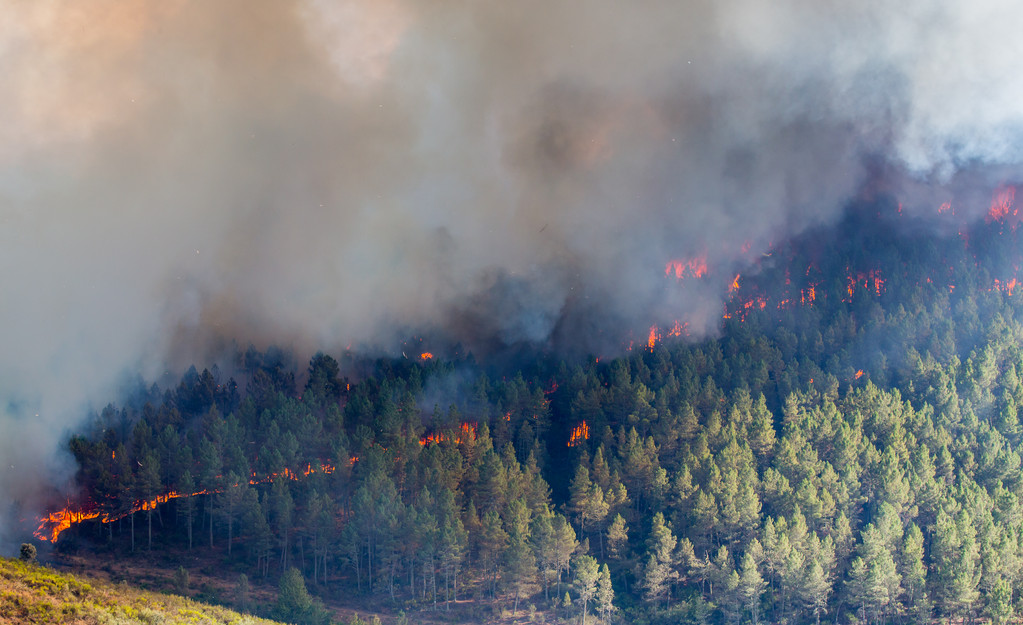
(28, 553)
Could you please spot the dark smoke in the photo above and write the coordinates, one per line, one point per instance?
(178, 174)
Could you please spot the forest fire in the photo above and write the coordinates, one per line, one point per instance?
(655, 336)
(579, 434)
(54, 523)
(1007, 286)
(870, 280)
(681, 269)
(466, 433)
(426, 356)
(1002, 205)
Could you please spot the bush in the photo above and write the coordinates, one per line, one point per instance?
(28, 553)
(295, 605)
(181, 580)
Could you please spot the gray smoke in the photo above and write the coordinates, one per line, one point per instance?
(323, 173)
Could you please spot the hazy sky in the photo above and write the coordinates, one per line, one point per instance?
(321, 173)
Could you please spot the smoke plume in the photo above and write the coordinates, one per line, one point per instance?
(320, 173)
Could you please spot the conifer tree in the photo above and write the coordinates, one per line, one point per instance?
(659, 573)
(605, 594)
(587, 575)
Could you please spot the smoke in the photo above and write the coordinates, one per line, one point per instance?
(319, 174)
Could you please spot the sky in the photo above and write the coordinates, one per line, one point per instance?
(316, 174)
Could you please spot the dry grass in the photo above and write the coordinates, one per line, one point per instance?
(30, 593)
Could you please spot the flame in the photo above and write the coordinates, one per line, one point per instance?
(870, 280)
(679, 329)
(945, 208)
(734, 286)
(808, 295)
(466, 433)
(1006, 287)
(1001, 205)
(859, 374)
(655, 336)
(56, 522)
(51, 525)
(425, 356)
(579, 434)
(681, 269)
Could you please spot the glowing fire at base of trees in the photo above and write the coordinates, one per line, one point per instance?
(579, 434)
(53, 524)
(466, 434)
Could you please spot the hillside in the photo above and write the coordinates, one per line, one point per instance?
(845, 450)
(35, 594)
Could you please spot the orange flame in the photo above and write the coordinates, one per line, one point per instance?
(580, 433)
(859, 374)
(425, 356)
(808, 295)
(871, 281)
(734, 286)
(681, 269)
(679, 329)
(1001, 205)
(1006, 287)
(655, 336)
(51, 525)
(466, 433)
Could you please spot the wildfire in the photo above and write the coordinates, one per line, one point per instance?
(871, 281)
(681, 269)
(734, 286)
(679, 329)
(580, 433)
(1001, 205)
(808, 295)
(466, 433)
(859, 374)
(425, 356)
(655, 336)
(1006, 287)
(56, 522)
(51, 525)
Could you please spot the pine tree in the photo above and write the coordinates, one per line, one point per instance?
(816, 588)
(751, 586)
(520, 561)
(586, 577)
(563, 545)
(914, 574)
(659, 573)
(295, 605)
(617, 537)
(605, 594)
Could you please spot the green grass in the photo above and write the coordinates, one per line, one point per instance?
(30, 593)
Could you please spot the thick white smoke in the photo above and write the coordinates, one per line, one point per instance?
(318, 173)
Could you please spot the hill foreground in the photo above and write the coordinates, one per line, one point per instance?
(31, 593)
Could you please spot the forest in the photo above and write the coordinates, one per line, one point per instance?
(845, 450)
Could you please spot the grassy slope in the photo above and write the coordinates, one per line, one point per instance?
(36, 594)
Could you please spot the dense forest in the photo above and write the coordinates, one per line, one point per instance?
(845, 450)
